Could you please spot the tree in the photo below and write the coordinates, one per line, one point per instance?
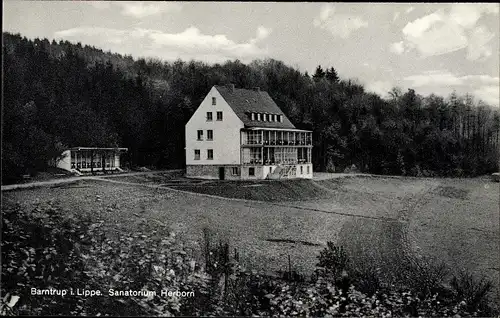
(66, 94)
(318, 74)
(331, 75)
(395, 93)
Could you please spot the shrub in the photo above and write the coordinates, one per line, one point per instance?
(415, 171)
(148, 260)
(41, 250)
(473, 292)
(332, 260)
(366, 277)
(330, 166)
(45, 249)
(425, 277)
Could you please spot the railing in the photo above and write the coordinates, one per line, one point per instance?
(279, 142)
(282, 172)
(252, 143)
(96, 165)
(253, 162)
(275, 163)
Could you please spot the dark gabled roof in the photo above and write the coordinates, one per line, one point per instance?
(245, 101)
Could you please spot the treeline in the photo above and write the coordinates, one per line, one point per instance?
(59, 95)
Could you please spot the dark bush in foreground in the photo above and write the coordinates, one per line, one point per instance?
(41, 250)
(46, 250)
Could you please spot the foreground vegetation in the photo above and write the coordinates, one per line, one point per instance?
(44, 249)
(59, 95)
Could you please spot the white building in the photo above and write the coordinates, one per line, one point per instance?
(87, 159)
(242, 134)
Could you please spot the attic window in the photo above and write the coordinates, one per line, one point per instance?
(214, 101)
(267, 117)
(252, 116)
(258, 116)
(280, 118)
(273, 118)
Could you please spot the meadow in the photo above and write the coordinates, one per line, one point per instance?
(376, 219)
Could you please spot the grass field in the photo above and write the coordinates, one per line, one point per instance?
(450, 220)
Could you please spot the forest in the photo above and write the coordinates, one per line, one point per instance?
(60, 94)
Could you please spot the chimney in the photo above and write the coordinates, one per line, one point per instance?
(230, 87)
(257, 89)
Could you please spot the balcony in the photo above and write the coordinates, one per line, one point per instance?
(256, 162)
(279, 142)
(276, 138)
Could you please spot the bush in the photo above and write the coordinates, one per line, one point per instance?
(41, 250)
(425, 277)
(473, 292)
(332, 260)
(415, 171)
(148, 260)
(45, 249)
(330, 167)
(366, 278)
(427, 173)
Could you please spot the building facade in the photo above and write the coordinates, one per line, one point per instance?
(242, 134)
(87, 159)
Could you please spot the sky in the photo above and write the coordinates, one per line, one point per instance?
(430, 47)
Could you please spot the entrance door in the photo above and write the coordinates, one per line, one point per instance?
(221, 173)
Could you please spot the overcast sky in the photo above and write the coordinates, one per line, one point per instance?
(429, 47)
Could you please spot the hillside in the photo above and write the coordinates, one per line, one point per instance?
(59, 95)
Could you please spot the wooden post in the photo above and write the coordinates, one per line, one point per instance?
(92, 161)
(226, 268)
(289, 268)
(103, 161)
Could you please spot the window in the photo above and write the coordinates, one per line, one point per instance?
(258, 116)
(200, 134)
(307, 169)
(251, 171)
(214, 101)
(252, 116)
(301, 169)
(267, 117)
(255, 155)
(273, 118)
(210, 135)
(209, 116)
(234, 171)
(279, 118)
(254, 137)
(219, 115)
(210, 154)
(197, 154)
